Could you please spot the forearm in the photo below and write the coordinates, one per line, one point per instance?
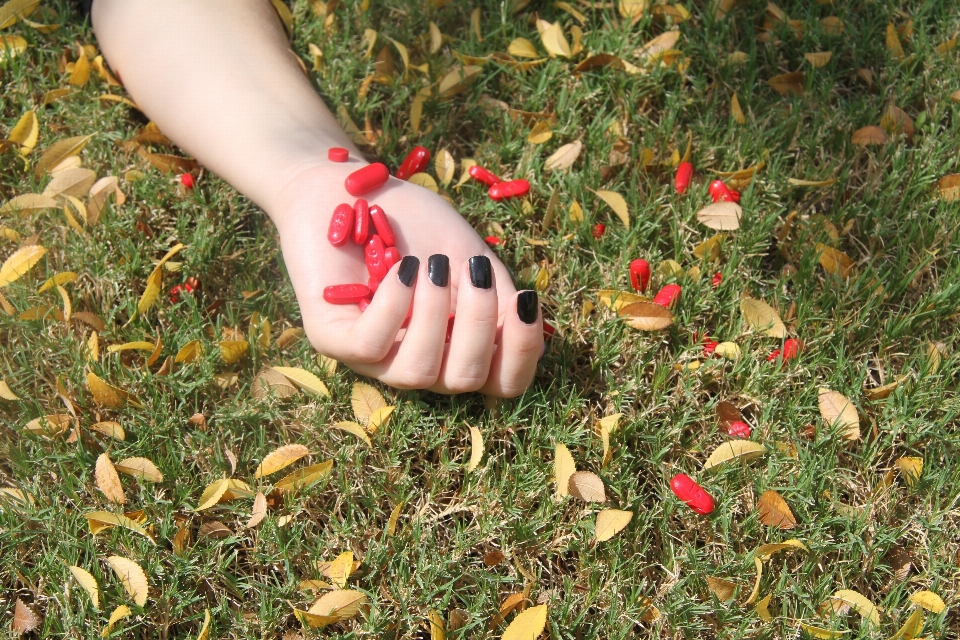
(219, 80)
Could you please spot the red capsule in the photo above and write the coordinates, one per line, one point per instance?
(187, 180)
(345, 293)
(382, 225)
(720, 192)
(175, 294)
(363, 304)
(693, 494)
(709, 346)
(361, 224)
(640, 275)
(373, 176)
(792, 347)
(682, 180)
(511, 189)
(374, 255)
(493, 240)
(717, 279)
(392, 255)
(739, 429)
(483, 175)
(338, 154)
(415, 162)
(450, 320)
(667, 296)
(341, 224)
(192, 282)
(548, 331)
(373, 284)
(598, 230)
(773, 355)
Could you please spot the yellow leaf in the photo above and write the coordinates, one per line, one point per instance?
(528, 624)
(365, 400)
(892, 41)
(355, 429)
(379, 418)
(540, 133)
(563, 468)
(232, 351)
(789, 84)
(457, 80)
(26, 132)
(280, 458)
(756, 583)
(834, 261)
(869, 135)
(832, 25)
(761, 316)
(29, 203)
(476, 448)
(911, 627)
(617, 203)
(81, 72)
(19, 263)
(610, 522)
(564, 157)
(522, 48)
(818, 59)
(304, 380)
(131, 346)
(304, 477)
(102, 520)
(475, 24)
(911, 468)
(189, 352)
(860, 604)
(736, 112)
(728, 350)
(6, 393)
(762, 608)
(766, 551)
(205, 629)
(59, 151)
(141, 468)
(555, 42)
(105, 394)
(424, 180)
(108, 481)
(350, 127)
(774, 511)
(616, 300)
(723, 589)
(646, 316)
(542, 281)
(811, 183)
(838, 411)
(132, 577)
(929, 601)
(392, 520)
(88, 583)
(111, 429)
(587, 487)
(722, 216)
(445, 166)
(121, 612)
(65, 277)
(663, 42)
(11, 47)
(341, 604)
(576, 212)
(15, 10)
(896, 121)
(212, 494)
(632, 9)
(744, 450)
(152, 290)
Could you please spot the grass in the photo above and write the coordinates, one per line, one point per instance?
(860, 534)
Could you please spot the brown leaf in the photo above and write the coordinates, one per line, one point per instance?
(24, 619)
(948, 187)
(723, 589)
(108, 481)
(869, 135)
(722, 216)
(728, 413)
(587, 487)
(564, 157)
(492, 558)
(59, 151)
(271, 381)
(646, 316)
(105, 394)
(834, 261)
(896, 121)
(837, 410)
(789, 84)
(774, 511)
(818, 59)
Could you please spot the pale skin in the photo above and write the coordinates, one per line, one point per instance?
(219, 79)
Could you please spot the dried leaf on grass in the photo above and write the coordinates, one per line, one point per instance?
(132, 577)
(586, 486)
(25, 619)
(365, 400)
(476, 448)
(744, 450)
(563, 468)
(723, 589)
(722, 216)
(774, 511)
(646, 316)
(354, 428)
(19, 263)
(528, 624)
(88, 583)
(837, 411)
(763, 317)
(280, 458)
(610, 522)
(108, 481)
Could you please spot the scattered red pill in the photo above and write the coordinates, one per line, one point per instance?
(373, 284)
(682, 180)
(493, 240)
(548, 331)
(450, 321)
(483, 175)
(175, 294)
(415, 162)
(361, 225)
(720, 192)
(773, 355)
(346, 293)
(374, 255)
(363, 304)
(187, 180)
(511, 189)
(338, 154)
(691, 493)
(709, 346)
(341, 224)
(717, 279)
(598, 230)
(382, 225)
(364, 180)
(667, 296)
(392, 255)
(640, 275)
(792, 347)
(739, 429)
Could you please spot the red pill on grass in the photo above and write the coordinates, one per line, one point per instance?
(640, 275)
(346, 293)
(792, 347)
(338, 154)
(392, 255)
(739, 429)
(415, 162)
(374, 255)
(691, 493)
(720, 192)
(341, 225)
(598, 230)
(362, 181)
(511, 189)
(493, 240)
(175, 294)
(667, 296)
(187, 180)
(485, 176)
(717, 279)
(682, 180)
(379, 219)
(709, 346)
(361, 224)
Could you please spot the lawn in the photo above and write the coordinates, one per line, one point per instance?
(862, 267)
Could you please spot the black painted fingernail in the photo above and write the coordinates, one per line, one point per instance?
(408, 270)
(528, 306)
(438, 269)
(481, 273)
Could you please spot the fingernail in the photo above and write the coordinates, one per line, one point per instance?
(438, 269)
(528, 306)
(408, 270)
(481, 273)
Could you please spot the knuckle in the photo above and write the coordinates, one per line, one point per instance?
(463, 384)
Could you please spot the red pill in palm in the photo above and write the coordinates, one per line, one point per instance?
(392, 255)
(720, 192)
(346, 293)
(640, 275)
(511, 189)
(415, 162)
(373, 176)
(485, 176)
(682, 180)
(691, 493)
(450, 320)
(361, 225)
(382, 226)
(341, 225)
(373, 284)
(374, 255)
(667, 296)
(739, 429)
(338, 154)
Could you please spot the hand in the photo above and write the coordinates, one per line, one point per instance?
(494, 347)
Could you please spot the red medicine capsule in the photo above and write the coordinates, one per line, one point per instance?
(709, 346)
(338, 154)
(792, 347)
(361, 226)
(717, 279)
(373, 176)
(483, 175)
(373, 284)
(667, 296)
(693, 494)
(374, 254)
(392, 255)
(682, 180)
(493, 240)
(739, 429)
(187, 180)
(415, 162)
(341, 224)
(511, 189)
(346, 293)
(640, 275)
(598, 230)
(450, 320)
(720, 192)
(382, 225)
(548, 331)
(175, 294)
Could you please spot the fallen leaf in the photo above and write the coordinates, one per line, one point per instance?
(233, 351)
(528, 624)
(340, 569)
(522, 48)
(26, 132)
(860, 604)
(617, 300)
(118, 614)
(105, 394)
(789, 84)
(832, 25)
(11, 47)
(948, 187)
(102, 520)
(797, 182)
(355, 429)
(24, 619)
(663, 42)
(540, 133)
(564, 157)
(458, 80)
(723, 589)
(818, 59)
(722, 216)
(445, 166)
(743, 450)
(911, 627)
(141, 468)
(189, 352)
(617, 203)
(766, 551)
(59, 151)
(391, 528)
(762, 317)
(15, 10)
(756, 583)
(892, 40)
(736, 112)
(19, 263)
(896, 121)
(305, 380)
(912, 469)
(205, 628)
(837, 411)
(563, 468)
(108, 481)
(555, 42)
(870, 135)
(341, 604)
(213, 493)
(834, 261)
(727, 351)
(586, 486)
(28, 204)
(610, 522)
(476, 448)
(259, 511)
(774, 511)
(280, 458)
(929, 601)
(304, 477)
(365, 400)
(646, 316)
(88, 583)
(132, 577)
(379, 418)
